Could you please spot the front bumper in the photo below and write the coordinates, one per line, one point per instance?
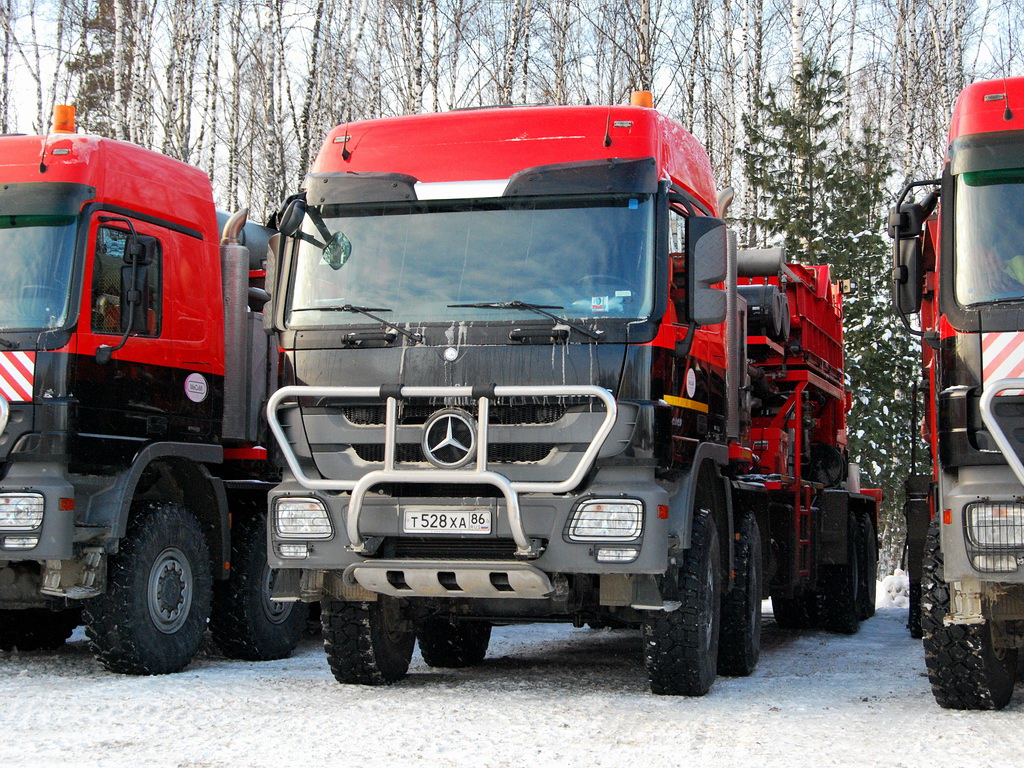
(544, 520)
(56, 532)
(959, 488)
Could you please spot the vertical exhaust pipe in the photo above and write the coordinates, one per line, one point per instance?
(234, 262)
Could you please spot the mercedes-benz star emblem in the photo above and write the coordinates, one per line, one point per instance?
(449, 439)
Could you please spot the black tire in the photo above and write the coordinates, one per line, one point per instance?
(795, 612)
(681, 646)
(37, 629)
(454, 645)
(739, 644)
(152, 619)
(867, 564)
(840, 603)
(245, 623)
(964, 667)
(366, 643)
(914, 610)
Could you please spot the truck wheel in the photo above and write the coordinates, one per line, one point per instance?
(37, 629)
(366, 643)
(152, 618)
(739, 644)
(914, 610)
(867, 566)
(795, 612)
(245, 623)
(840, 588)
(681, 646)
(965, 668)
(455, 645)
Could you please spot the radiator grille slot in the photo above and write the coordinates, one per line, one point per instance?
(416, 548)
(503, 411)
(501, 453)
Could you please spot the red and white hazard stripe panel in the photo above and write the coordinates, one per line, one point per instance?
(17, 372)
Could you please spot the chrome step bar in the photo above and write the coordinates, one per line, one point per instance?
(525, 548)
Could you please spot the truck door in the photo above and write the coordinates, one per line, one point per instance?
(144, 392)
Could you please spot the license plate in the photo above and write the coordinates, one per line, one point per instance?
(447, 521)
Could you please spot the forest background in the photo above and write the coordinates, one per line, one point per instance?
(815, 111)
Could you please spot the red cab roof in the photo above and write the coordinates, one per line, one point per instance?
(123, 174)
(981, 108)
(490, 144)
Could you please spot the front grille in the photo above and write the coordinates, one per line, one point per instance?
(501, 453)
(409, 548)
(504, 411)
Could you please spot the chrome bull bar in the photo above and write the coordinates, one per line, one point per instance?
(478, 474)
(992, 391)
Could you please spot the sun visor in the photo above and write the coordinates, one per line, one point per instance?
(987, 152)
(47, 198)
(589, 177)
(348, 188)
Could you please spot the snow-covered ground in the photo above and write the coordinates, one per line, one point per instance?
(546, 696)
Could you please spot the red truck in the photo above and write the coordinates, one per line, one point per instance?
(132, 373)
(959, 267)
(531, 378)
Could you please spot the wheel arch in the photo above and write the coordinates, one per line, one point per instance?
(707, 462)
(175, 472)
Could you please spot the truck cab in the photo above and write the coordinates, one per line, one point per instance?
(515, 352)
(958, 258)
(123, 439)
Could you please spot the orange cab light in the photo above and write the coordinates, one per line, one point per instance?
(63, 119)
(663, 512)
(641, 99)
(947, 516)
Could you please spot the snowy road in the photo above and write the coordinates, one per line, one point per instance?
(546, 696)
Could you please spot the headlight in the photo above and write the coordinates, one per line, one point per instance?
(302, 518)
(21, 511)
(607, 520)
(996, 526)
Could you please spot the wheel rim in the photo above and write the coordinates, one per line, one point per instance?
(170, 590)
(276, 612)
(391, 620)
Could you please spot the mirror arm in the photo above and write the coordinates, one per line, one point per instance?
(105, 351)
(682, 349)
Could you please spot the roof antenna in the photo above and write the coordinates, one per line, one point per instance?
(608, 129)
(1007, 113)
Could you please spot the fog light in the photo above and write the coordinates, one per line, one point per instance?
(622, 555)
(21, 511)
(302, 518)
(1000, 526)
(995, 563)
(293, 550)
(606, 519)
(20, 542)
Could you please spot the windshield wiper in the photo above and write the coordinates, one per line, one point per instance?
(540, 309)
(368, 311)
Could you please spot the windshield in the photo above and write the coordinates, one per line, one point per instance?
(989, 236)
(36, 255)
(581, 258)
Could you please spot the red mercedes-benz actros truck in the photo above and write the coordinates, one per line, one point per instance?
(530, 378)
(960, 265)
(132, 374)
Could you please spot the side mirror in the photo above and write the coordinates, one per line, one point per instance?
(290, 218)
(706, 247)
(906, 228)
